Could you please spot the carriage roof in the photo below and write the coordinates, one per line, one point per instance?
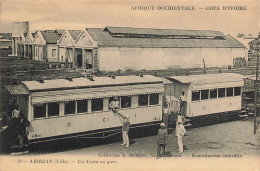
(211, 80)
(85, 82)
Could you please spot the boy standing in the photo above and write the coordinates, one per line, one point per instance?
(161, 139)
(125, 129)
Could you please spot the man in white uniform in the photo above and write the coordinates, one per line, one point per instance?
(180, 131)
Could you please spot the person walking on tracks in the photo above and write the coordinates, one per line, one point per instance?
(180, 131)
(161, 140)
(125, 129)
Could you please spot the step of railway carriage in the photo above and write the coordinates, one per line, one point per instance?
(251, 115)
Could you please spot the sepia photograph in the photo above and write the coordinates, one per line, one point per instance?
(129, 85)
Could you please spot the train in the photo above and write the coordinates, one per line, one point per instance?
(208, 97)
(67, 108)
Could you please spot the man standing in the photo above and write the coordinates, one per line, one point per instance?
(161, 139)
(16, 112)
(166, 115)
(125, 129)
(180, 131)
(183, 104)
(114, 105)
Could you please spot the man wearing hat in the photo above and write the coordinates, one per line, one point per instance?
(180, 131)
(114, 105)
(161, 139)
(125, 129)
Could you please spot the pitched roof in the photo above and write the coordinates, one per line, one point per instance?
(105, 39)
(120, 30)
(51, 36)
(74, 33)
(60, 31)
(6, 36)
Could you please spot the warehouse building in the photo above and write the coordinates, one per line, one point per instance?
(114, 48)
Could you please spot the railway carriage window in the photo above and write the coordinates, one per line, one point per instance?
(230, 92)
(154, 99)
(40, 111)
(125, 101)
(237, 91)
(69, 107)
(213, 93)
(195, 95)
(82, 106)
(53, 109)
(143, 100)
(97, 105)
(221, 92)
(204, 94)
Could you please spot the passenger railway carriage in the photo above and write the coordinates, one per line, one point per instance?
(207, 95)
(79, 107)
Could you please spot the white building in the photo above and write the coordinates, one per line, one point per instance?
(123, 48)
(45, 45)
(66, 48)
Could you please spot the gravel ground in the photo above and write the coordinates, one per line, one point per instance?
(227, 146)
(231, 138)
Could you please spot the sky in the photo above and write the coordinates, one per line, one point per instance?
(80, 14)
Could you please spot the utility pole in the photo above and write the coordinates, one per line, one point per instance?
(256, 82)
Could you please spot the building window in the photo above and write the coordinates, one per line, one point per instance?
(230, 92)
(154, 99)
(221, 92)
(53, 53)
(40, 111)
(213, 93)
(204, 94)
(97, 105)
(53, 109)
(237, 91)
(195, 95)
(82, 106)
(69, 107)
(143, 100)
(125, 101)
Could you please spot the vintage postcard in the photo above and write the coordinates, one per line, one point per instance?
(129, 85)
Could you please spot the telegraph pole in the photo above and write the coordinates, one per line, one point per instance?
(256, 83)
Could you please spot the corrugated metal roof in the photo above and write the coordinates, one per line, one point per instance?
(74, 33)
(82, 82)
(209, 78)
(151, 31)
(51, 36)
(105, 39)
